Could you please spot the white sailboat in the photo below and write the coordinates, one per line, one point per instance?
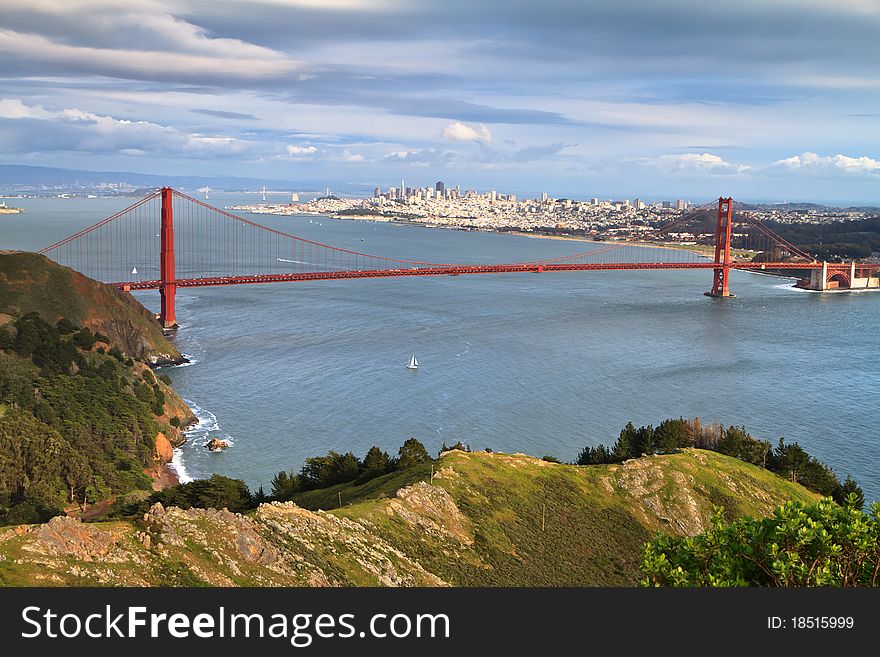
(413, 364)
(134, 270)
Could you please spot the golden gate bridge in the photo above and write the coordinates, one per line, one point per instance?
(200, 245)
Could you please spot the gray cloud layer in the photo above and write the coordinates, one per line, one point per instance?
(580, 87)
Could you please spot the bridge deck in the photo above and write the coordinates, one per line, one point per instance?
(456, 270)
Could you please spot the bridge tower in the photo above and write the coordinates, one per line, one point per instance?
(168, 287)
(720, 284)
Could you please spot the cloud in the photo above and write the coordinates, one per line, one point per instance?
(813, 163)
(34, 128)
(299, 151)
(13, 108)
(458, 131)
(423, 157)
(537, 152)
(348, 156)
(693, 163)
(223, 114)
(61, 58)
(449, 84)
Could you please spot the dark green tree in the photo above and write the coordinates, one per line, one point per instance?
(850, 493)
(65, 326)
(411, 453)
(626, 445)
(334, 468)
(789, 461)
(644, 440)
(84, 339)
(285, 485)
(671, 435)
(376, 460)
(218, 492)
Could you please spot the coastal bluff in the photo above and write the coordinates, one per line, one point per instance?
(33, 283)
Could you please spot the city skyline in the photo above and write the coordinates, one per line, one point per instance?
(768, 100)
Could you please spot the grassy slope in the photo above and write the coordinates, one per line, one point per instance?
(30, 282)
(480, 523)
(596, 518)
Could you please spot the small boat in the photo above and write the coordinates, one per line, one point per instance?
(134, 270)
(413, 364)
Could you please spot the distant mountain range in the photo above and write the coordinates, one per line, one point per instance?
(27, 179)
(19, 179)
(796, 207)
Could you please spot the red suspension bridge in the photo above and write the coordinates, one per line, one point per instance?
(200, 245)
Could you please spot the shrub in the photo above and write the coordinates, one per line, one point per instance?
(823, 544)
(84, 339)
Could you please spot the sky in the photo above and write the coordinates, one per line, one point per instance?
(767, 100)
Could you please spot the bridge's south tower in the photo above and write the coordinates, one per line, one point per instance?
(720, 285)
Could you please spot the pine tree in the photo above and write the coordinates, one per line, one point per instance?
(411, 453)
(626, 443)
(376, 460)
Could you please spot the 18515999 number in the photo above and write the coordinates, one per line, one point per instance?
(810, 623)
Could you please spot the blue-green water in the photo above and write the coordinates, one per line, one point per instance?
(542, 364)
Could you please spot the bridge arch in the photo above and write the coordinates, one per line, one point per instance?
(838, 279)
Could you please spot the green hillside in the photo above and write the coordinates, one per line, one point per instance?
(33, 283)
(485, 519)
(80, 422)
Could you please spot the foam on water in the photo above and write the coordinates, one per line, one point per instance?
(198, 436)
(183, 476)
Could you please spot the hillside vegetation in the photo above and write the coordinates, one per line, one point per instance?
(33, 283)
(81, 421)
(483, 519)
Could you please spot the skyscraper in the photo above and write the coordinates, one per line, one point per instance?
(440, 188)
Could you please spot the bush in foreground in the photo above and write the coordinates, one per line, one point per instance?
(824, 544)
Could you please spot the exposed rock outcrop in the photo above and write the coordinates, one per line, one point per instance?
(164, 449)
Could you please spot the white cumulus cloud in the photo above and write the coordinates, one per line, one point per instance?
(695, 163)
(300, 151)
(813, 162)
(458, 131)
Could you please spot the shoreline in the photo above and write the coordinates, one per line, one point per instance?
(401, 221)
(165, 477)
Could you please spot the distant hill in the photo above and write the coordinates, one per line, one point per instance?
(34, 283)
(17, 178)
(476, 519)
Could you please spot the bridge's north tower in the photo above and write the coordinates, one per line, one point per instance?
(168, 287)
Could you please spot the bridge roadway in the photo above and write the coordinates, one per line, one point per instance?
(456, 270)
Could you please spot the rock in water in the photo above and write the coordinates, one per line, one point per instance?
(216, 444)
